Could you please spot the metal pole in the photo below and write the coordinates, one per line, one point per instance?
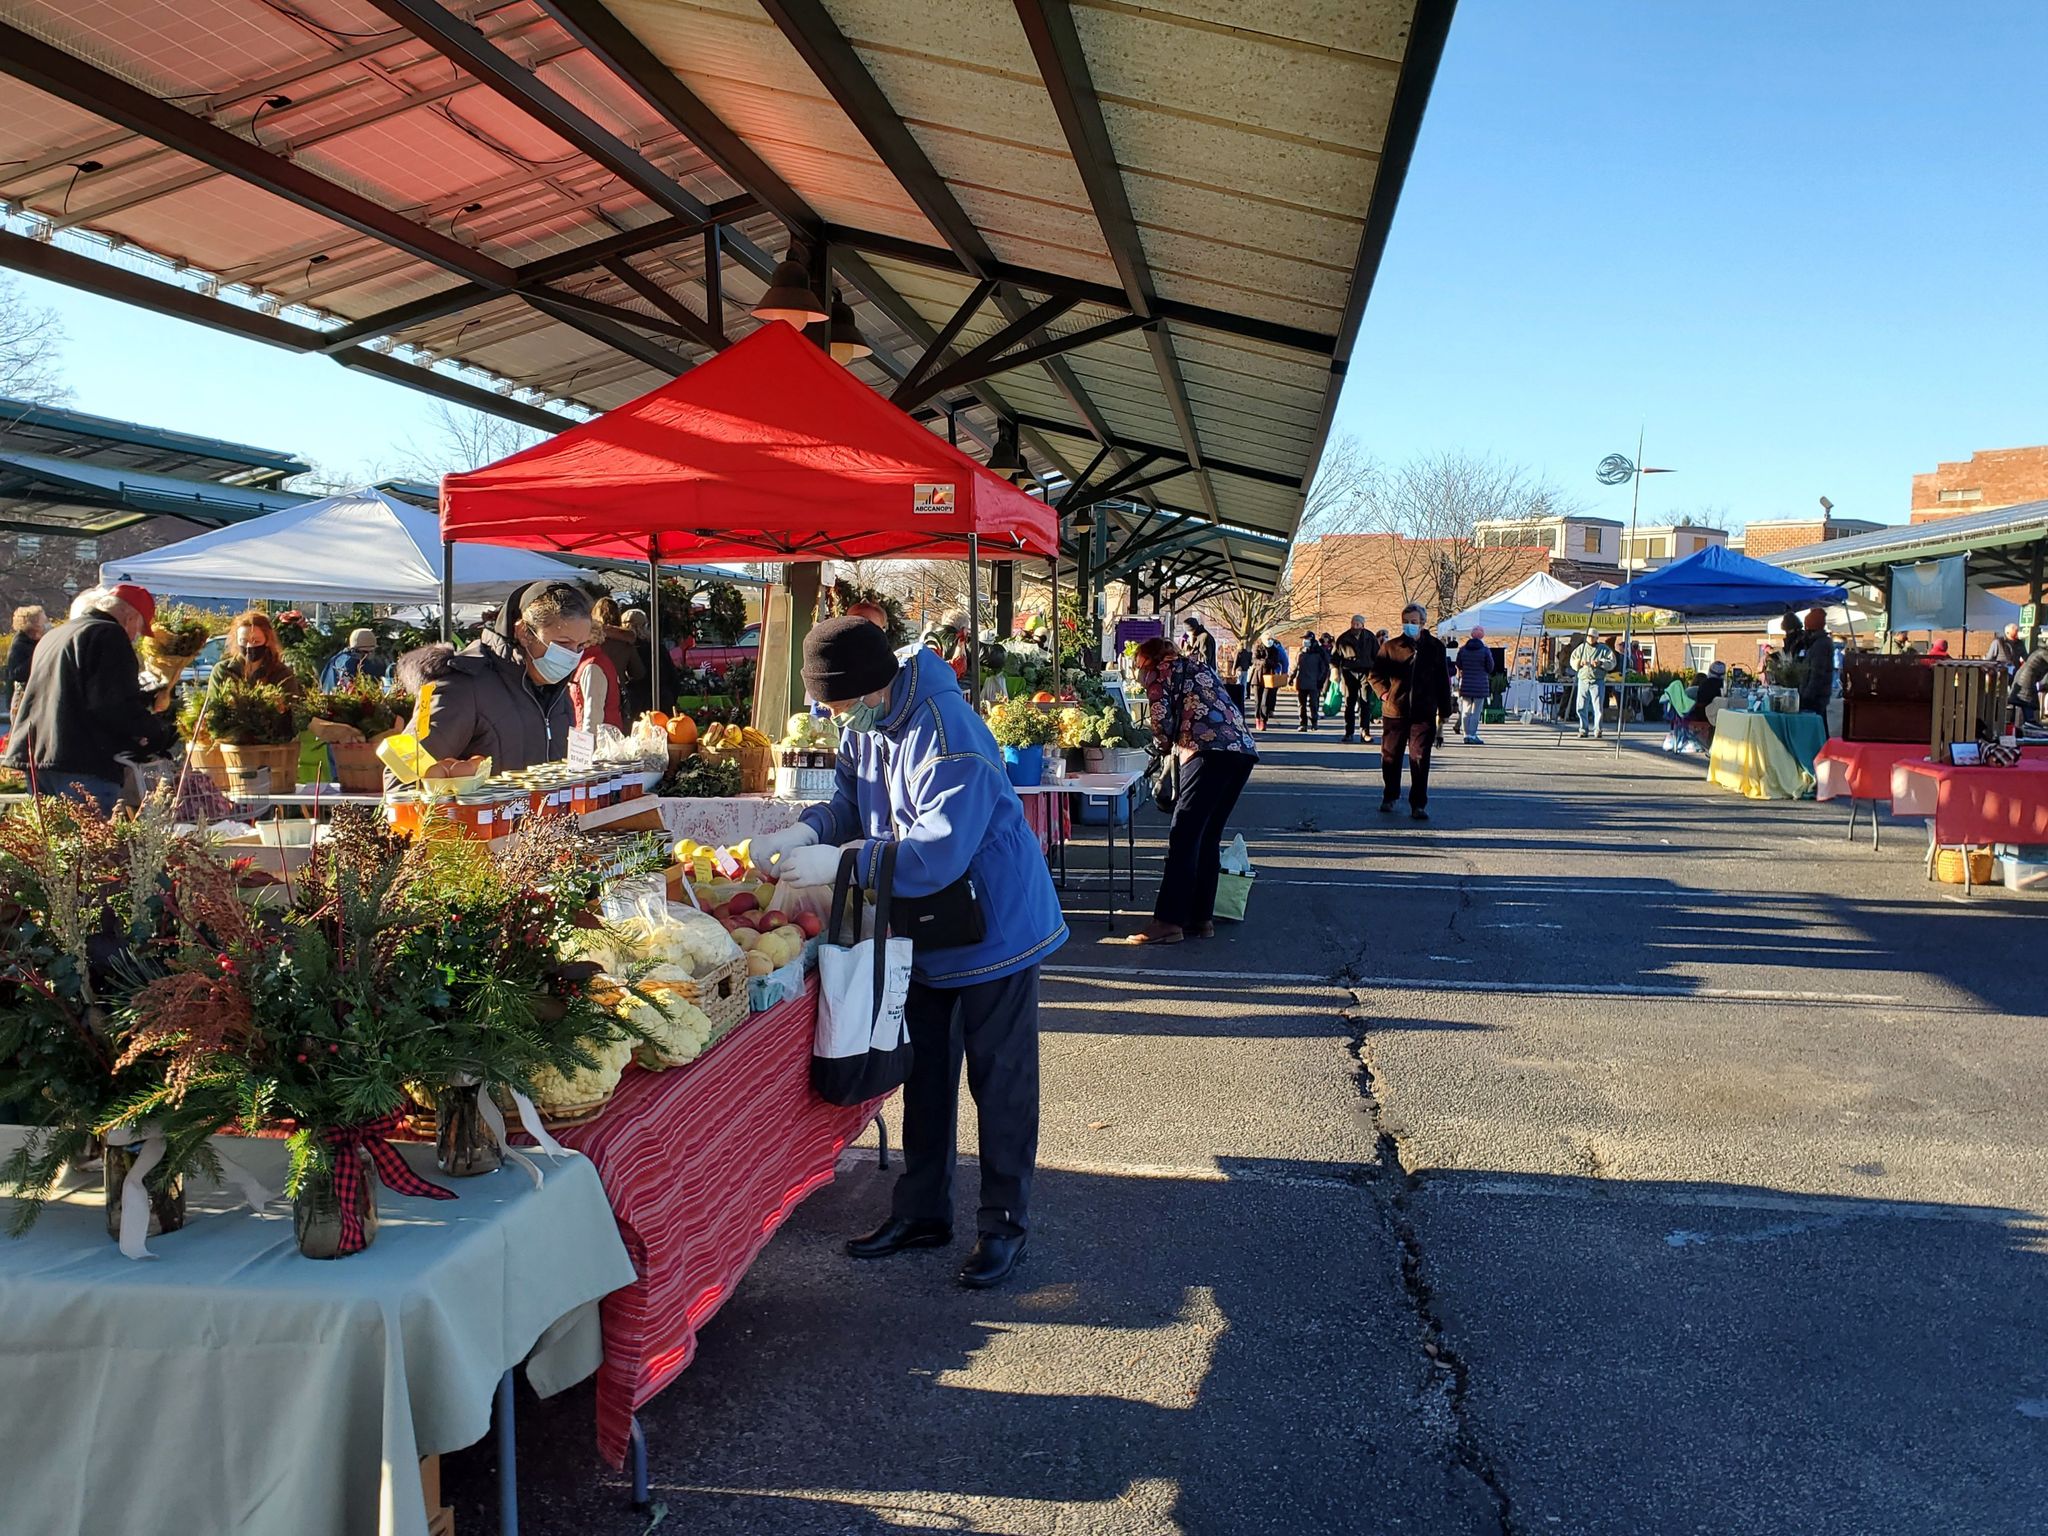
(654, 651)
(1628, 622)
(1052, 626)
(974, 617)
(448, 590)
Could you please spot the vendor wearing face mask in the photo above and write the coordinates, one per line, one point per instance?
(918, 768)
(506, 697)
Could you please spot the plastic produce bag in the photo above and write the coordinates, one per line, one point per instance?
(1236, 859)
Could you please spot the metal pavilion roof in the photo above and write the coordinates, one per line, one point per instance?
(2006, 544)
(1142, 236)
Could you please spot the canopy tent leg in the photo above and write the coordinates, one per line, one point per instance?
(974, 617)
(1052, 623)
(448, 591)
(1004, 579)
(806, 581)
(654, 651)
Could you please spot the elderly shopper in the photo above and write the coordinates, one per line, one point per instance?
(506, 697)
(1412, 678)
(1200, 729)
(357, 662)
(1474, 664)
(84, 705)
(1592, 664)
(1269, 662)
(1353, 654)
(919, 771)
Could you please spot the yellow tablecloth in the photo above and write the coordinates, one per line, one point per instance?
(1760, 755)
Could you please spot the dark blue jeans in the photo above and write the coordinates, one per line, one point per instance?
(77, 786)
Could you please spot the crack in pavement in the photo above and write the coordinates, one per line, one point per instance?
(1449, 1379)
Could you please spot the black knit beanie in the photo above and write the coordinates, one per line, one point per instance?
(846, 659)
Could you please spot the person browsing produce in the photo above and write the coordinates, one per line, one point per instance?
(506, 697)
(918, 769)
(84, 704)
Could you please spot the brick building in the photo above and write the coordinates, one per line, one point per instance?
(49, 569)
(1989, 479)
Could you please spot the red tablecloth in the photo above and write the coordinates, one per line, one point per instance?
(702, 1165)
(1861, 770)
(1038, 811)
(1978, 805)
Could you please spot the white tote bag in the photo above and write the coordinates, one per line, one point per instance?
(861, 1050)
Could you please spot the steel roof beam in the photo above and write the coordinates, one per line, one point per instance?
(914, 253)
(126, 287)
(1063, 65)
(706, 333)
(1426, 34)
(463, 45)
(1219, 466)
(965, 371)
(948, 334)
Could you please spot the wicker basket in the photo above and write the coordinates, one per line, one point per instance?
(357, 768)
(1948, 865)
(241, 765)
(720, 994)
(757, 769)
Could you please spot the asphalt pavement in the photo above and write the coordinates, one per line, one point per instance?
(1607, 1154)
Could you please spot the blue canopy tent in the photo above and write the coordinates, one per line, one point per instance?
(1715, 582)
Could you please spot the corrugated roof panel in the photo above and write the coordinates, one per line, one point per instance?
(1202, 211)
(1378, 28)
(1306, 174)
(172, 48)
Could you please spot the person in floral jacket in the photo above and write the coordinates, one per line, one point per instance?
(1194, 723)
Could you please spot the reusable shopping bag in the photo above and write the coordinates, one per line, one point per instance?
(861, 1047)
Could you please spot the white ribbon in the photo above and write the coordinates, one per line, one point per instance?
(254, 1191)
(134, 1196)
(494, 1118)
(529, 1117)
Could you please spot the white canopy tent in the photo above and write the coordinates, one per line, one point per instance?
(1511, 607)
(362, 547)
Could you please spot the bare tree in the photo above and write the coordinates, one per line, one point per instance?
(31, 339)
(1343, 481)
(464, 439)
(1432, 507)
(1247, 613)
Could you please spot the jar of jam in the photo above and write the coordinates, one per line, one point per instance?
(403, 809)
(476, 815)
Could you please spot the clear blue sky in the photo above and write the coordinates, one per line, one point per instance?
(1804, 243)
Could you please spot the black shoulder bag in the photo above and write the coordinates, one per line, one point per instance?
(947, 919)
(1166, 767)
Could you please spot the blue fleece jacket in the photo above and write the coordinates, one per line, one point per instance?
(930, 779)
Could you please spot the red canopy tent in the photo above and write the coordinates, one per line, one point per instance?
(769, 451)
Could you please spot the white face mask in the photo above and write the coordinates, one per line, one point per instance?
(556, 663)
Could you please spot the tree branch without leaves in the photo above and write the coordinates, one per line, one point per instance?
(31, 338)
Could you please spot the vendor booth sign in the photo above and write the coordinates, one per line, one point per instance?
(932, 501)
(1604, 619)
(1932, 594)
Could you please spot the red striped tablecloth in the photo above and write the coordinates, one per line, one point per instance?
(702, 1164)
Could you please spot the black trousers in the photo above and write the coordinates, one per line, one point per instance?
(1357, 703)
(994, 1027)
(1210, 783)
(1268, 697)
(1311, 708)
(1418, 739)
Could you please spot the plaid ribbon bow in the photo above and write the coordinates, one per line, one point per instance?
(391, 1168)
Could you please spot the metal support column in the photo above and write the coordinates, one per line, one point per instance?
(448, 590)
(654, 641)
(1004, 579)
(508, 1459)
(974, 618)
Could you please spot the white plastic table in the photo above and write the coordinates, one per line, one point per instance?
(1114, 786)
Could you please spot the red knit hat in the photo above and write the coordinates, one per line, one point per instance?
(139, 599)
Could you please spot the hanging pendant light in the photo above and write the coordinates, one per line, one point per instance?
(789, 296)
(1006, 459)
(847, 341)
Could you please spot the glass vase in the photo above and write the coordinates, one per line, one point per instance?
(166, 1196)
(316, 1210)
(464, 1144)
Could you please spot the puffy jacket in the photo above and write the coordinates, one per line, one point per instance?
(1354, 652)
(84, 703)
(1818, 685)
(484, 704)
(930, 779)
(1475, 670)
(1270, 659)
(1312, 670)
(1418, 688)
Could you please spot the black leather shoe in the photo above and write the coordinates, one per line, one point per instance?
(1385, 806)
(1419, 815)
(897, 1234)
(991, 1262)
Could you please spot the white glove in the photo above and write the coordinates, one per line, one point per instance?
(809, 866)
(768, 848)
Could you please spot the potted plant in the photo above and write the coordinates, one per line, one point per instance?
(256, 728)
(352, 720)
(1022, 730)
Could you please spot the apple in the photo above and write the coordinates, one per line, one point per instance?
(809, 924)
(759, 964)
(742, 902)
(775, 920)
(746, 938)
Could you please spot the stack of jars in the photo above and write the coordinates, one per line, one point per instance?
(494, 809)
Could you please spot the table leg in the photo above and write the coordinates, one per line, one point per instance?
(1109, 864)
(1853, 803)
(508, 1458)
(1874, 830)
(1131, 846)
(636, 1448)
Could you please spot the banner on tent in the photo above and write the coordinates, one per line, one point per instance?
(1612, 618)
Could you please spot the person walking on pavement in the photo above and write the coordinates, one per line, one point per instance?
(1241, 663)
(1201, 644)
(1195, 724)
(1412, 677)
(1592, 664)
(1475, 680)
(918, 771)
(1269, 661)
(2028, 682)
(1353, 656)
(1311, 677)
(2006, 651)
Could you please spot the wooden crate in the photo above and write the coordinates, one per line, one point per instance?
(1969, 705)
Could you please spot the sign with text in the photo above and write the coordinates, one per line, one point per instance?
(932, 500)
(1615, 619)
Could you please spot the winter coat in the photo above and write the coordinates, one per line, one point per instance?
(1312, 670)
(929, 778)
(1243, 661)
(2032, 676)
(485, 705)
(1270, 659)
(1592, 662)
(19, 655)
(84, 704)
(1818, 685)
(1355, 651)
(2007, 653)
(347, 666)
(1475, 670)
(1416, 687)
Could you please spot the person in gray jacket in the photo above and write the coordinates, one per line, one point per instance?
(1311, 677)
(507, 697)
